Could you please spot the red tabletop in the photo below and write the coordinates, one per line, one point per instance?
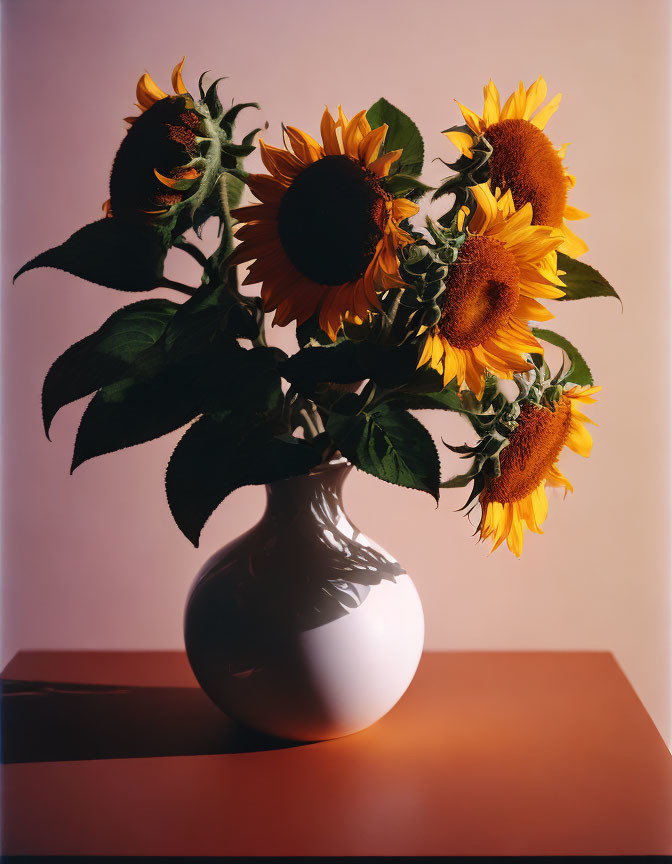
(525, 753)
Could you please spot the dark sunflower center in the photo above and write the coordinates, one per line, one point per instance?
(331, 219)
(163, 137)
(524, 161)
(481, 292)
(533, 447)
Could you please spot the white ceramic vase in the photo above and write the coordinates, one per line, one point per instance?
(303, 628)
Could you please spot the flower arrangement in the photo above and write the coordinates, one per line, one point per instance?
(390, 317)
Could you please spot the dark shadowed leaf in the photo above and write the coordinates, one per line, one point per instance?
(110, 252)
(135, 410)
(215, 457)
(346, 362)
(109, 354)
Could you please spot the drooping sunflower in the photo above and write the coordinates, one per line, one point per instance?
(326, 233)
(523, 159)
(517, 497)
(504, 264)
(149, 174)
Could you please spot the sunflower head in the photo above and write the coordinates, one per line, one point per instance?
(325, 237)
(173, 154)
(517, 454)
(523, 159)
(504, 264)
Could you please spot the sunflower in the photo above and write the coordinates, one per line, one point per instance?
(149, 174)
(326, 233)
(523, 158)
(503, 265)
(517, 497)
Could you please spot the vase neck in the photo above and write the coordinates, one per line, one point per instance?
(321, 490)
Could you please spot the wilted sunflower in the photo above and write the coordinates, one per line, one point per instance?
(517, 498)
(503, 265)
(149, 173)
(326, 233)
(523, 158)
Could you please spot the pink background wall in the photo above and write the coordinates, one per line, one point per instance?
(95, 561)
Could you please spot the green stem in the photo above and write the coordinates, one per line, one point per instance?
(309, 426)
(367, 395)
(177, 286)
(196, 253)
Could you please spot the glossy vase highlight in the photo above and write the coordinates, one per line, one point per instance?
(304, 628)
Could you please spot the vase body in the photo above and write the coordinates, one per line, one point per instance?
(303, 628)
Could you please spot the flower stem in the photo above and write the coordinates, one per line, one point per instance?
(177, 286)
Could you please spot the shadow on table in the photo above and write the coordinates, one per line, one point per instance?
(52, 722)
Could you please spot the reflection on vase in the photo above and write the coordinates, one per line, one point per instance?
(303, 627)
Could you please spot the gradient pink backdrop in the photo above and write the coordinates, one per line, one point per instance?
(95, 561)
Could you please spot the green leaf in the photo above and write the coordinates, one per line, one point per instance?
(346, 362)
(581, 280)
(391, 444)
(446, 400)
(214, 458)
(401, 134)
(110, 252)
(404, 184)
(135, 410)
(579, 372)
(105, 356)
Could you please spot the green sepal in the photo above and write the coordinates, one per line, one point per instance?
(469, 172)
(121, 346)
(390, 444)
(402, 134)
(581, 280)
(579, 372)
(110, 252)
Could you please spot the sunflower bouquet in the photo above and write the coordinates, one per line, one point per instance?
(390, 316)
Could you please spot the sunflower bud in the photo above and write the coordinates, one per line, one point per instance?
(168, 166)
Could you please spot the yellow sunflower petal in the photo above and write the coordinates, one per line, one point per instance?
(514, 107)
(402, 208)
(178, 83)
(472, 119)
(148, 92)
(462, 140)
(332, 146)
(381, 166)
(542, 117)
(572, 244)
(535, 96)
(491, 105)
(369, 146)
(574, 213)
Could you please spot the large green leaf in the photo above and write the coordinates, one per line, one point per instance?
(579, 372)
(402, 134)
(445, 400)
(581, 280)
(215, 457)
(391, 444)
(110, 252)
(111, 353)
(135, 410)
(346, 362)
